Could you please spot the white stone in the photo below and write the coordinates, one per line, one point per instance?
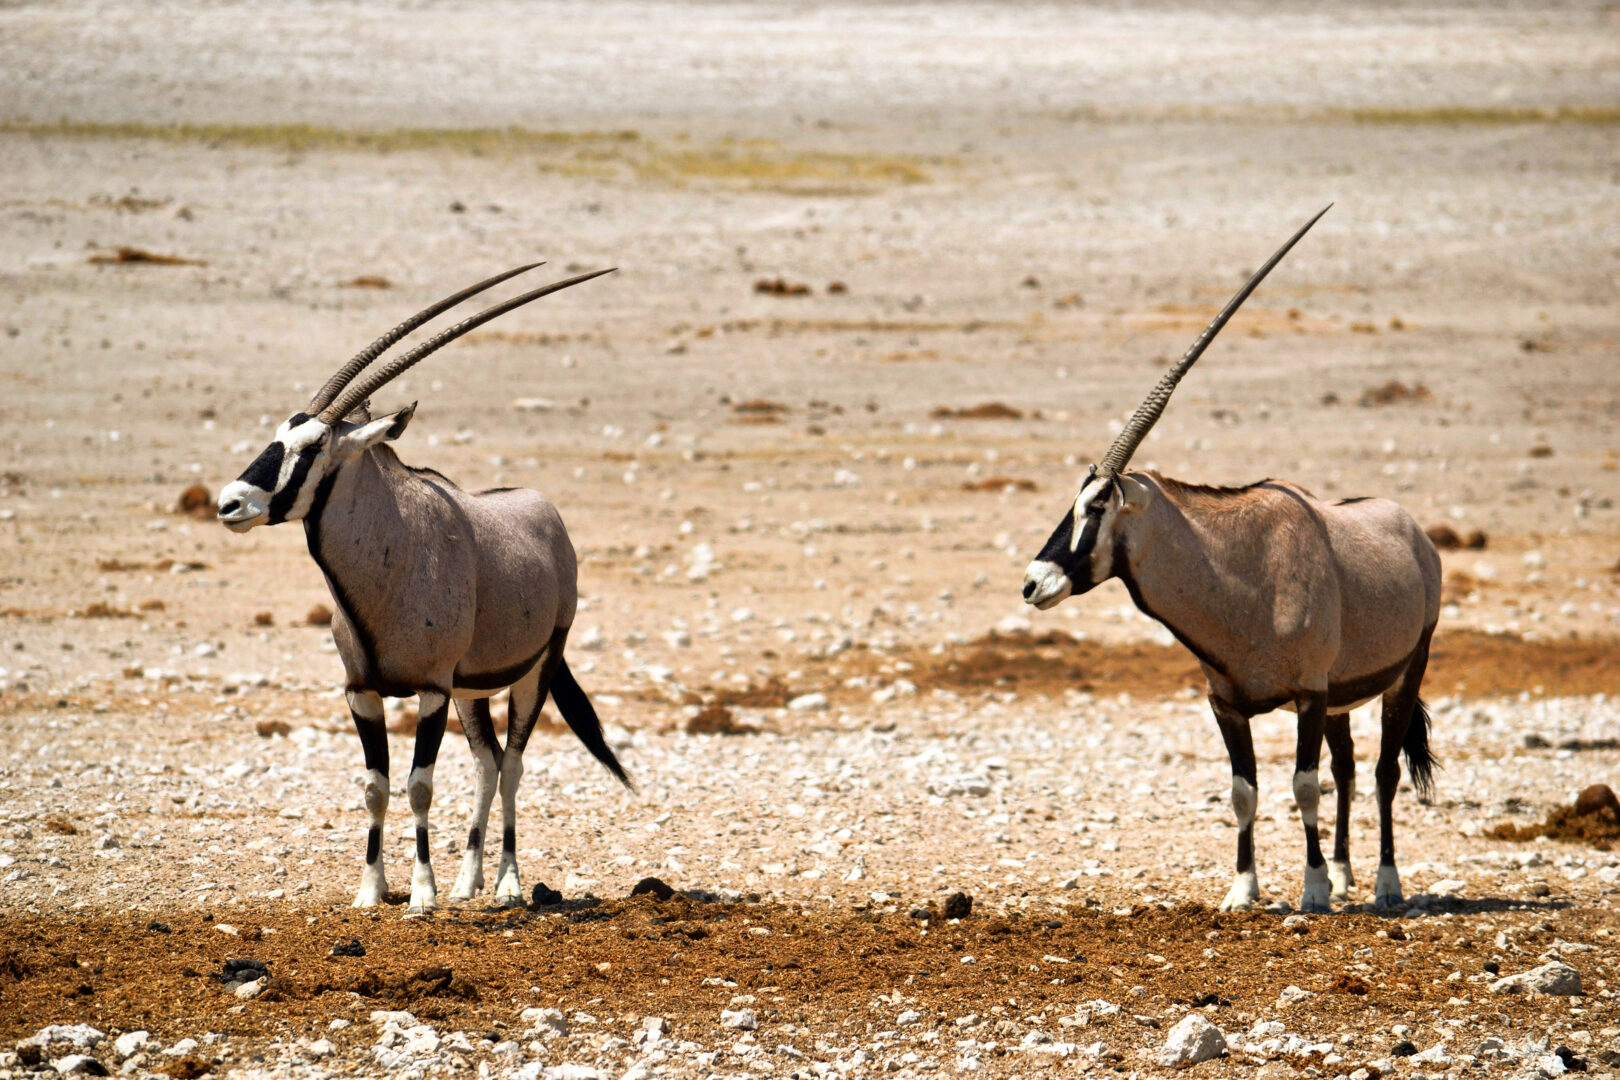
(321, 1048)
(1555, 977)
(80, 1035)
(813, 702)
(909, 1018)
(1192, 1040)
(546, 1020)
(741, 1019)
(250, 990)
(131, 1043)
(1292, 995)
(77, 1063)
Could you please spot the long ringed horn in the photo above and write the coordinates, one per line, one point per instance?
(1147, 413)
(358, 392)
(323, 397)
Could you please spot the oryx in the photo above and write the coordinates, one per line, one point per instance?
(1287, 602)
(437, 592)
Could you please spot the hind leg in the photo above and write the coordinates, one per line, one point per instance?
(1245, 890)
(1337, 731)
(528, 695)
(486, 753)
(1402, 709)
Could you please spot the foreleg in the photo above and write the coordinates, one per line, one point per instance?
(433, 708)
(1308, 795)
(367, 710)
(1245, 890)
(486, 754)
(1343, 750)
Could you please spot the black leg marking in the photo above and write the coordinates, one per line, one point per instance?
(1307, 759)
(430, 733)
(475, 839)
(422, 853)
(509, 839)
(373, 844)
(1343, 750)
(1239, 741)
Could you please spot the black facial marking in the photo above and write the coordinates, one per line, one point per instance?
(281, 503)
(266, 468)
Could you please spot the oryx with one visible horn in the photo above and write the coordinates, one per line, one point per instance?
(438, 592)
(1286, 600)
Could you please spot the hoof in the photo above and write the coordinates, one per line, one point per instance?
(508, 900)
(373, 891)
(1387, 891)
(1244, 893)
(1340, 878)
(1315, 897)
(416, 911)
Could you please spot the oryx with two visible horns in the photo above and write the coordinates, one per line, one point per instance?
(1287, 602)
(438, 592)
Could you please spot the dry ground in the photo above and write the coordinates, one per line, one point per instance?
(778, 492)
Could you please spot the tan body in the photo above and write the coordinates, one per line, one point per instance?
(438, 588)
(1343, 590)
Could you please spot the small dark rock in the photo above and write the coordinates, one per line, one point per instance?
(1053, 924)
(30, 1053)
(1540, 889)
(920, 914)
(1533, 741)
(958, 905)
(352, 947)
(545, 896)
(1404, 1048)
(190, 973)
(1492, 967)
(1571, 1060)
(652, 885)
(158, 927)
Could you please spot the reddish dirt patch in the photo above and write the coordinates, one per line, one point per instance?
(804, 964)
(989, 410)
(1594, 820)
(1480, 664)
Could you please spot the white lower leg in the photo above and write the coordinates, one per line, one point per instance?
(1387, 889)
(1308, 795)
(424, 893)
(373, 882)
(471, 879)
(1340, 878)
(508, 886)
(1245, 890)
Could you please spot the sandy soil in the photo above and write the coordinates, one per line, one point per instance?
(777, 495)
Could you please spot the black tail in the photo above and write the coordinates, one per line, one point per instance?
(576, 710)
(1420, 762)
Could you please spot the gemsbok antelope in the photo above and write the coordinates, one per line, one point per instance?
(1287, 602)
(438, 592)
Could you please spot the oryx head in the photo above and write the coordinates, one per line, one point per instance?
(337, 426)
(1080, 555)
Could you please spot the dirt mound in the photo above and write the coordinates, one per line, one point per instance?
(1594, 820)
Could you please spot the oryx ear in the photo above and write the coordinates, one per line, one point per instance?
(385, 429)
(1133, 495)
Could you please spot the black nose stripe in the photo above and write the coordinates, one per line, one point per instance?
(281, 503)
(266, 468)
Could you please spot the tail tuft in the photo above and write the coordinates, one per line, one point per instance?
(581, 717)
(1420, 763)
